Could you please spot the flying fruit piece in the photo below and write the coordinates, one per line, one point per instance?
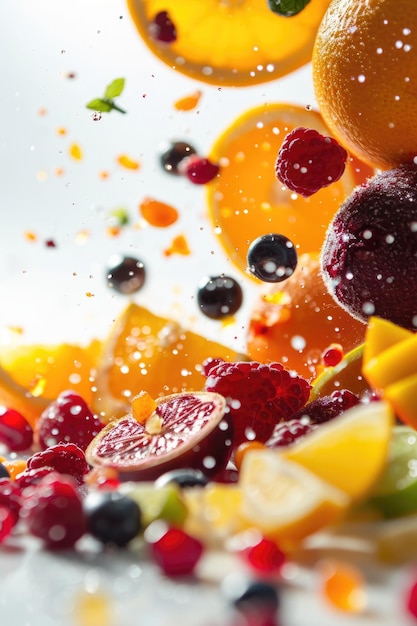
(380, 335)
(347, 374)
(393, 364)
(188, 429)
(402, 396)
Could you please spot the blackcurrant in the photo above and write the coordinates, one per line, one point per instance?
(272, 258)
(174, 154)
(219, 296)
(112, 517)
(126, 274)
(186, 477)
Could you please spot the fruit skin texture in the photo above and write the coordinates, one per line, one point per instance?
(308, 161)
(258, 396)
(357, 44)
(64, 458)
(368, 258)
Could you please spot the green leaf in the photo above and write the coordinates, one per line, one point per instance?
(287, 8)
(114, 89)
(98, 104)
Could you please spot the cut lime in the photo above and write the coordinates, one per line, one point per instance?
(395, 493)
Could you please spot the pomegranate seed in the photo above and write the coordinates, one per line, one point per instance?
(332, 355)
(265, 556)
(15, 432)
(176, 552)
(198, 170)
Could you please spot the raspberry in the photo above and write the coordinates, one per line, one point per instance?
(326, 408)
(10, 498)
(30, 477)
(258, 396)
(308, 161)
(198, 170)
(68, 419)
(287, 432)
(53, 511)
(65, 458)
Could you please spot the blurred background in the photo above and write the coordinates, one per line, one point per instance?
(54, 238)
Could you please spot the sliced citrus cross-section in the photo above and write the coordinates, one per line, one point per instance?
(246, 200)
(350, 451)
(229, 42)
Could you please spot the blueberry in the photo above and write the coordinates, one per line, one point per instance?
(112, 517)
(174, 154)
(258, 597)
(272, 258)
(186, 477)
(219, 296)
(126, 274)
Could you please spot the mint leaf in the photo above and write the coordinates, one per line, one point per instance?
(98, 104)
(287, 8)
(114, 89)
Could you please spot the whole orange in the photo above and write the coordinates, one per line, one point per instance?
(364, 72)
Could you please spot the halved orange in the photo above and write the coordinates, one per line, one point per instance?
(246, 200)
(146, 352)
(230, 42)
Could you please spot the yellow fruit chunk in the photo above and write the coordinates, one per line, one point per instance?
(349, 451)
(380, 335)
(231, 42)
(146, 352)
(397, 362)
(285, 500)
(402, 396)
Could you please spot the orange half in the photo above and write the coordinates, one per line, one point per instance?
(231, 42)
(246, 200)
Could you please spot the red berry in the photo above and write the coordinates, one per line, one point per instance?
(53, 511)
(332, 355)
(7, 522)
(258, 396)
(31, 477)
(287, 432)
(265, 556)
(64, 458)
(327, 407)
(198, 170)
(162, 28)
(10, 498)
(308, 161)
(68, 419)
(175, 551)
(15, 432)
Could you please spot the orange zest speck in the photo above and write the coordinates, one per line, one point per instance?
(30, 235)
(113, 231)
(59, 171)
(158, 213)
(127, 162)
(75, 152)
(61, 131)
(179, 245)
(89, 294)
(188, 103)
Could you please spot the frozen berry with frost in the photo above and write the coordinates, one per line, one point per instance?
(15, 432)
(68, 420)
(308, 161)
(369, 260)
(272, 258)
(199, 170)
(126, 274)
(173, 154)
(258, 396)
(219, 297)
(112, 517)
(53, 511)
(64, 458)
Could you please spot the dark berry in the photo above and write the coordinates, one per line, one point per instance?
(15, 432)
(287, 432)
(53, 511)
(112, 517)
(258, 597)
(174, 154)
(308, 161)
(68, 420)
(162, 28)
(272, 258)
(198, 170)
(186, 477)
(219, 296)
(126, 275)
(175, 551)
(64, 458)
(4, 472)
(328, 407)
(287, 8)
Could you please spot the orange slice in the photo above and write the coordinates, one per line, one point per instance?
(146, 352)
(246, 200)
(230, 42)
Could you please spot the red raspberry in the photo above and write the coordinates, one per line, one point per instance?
(53, 511)
(30, 477)
(328, 407)
(258, 396)
(68, 419)
(287, 432)
(198, 170)
(64, 458)
(308, 161)
(10, 497)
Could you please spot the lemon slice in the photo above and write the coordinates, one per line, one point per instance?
(285, 500)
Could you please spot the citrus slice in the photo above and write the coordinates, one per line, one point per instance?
(380, 335)
(350, 451)
(146, 352)
(246, 200)
(285, 500)
(230, 42)
(347, 374)
(186, 430)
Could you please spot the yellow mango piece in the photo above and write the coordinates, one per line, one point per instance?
(402, 396)
(380, 335)
(393, 364)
